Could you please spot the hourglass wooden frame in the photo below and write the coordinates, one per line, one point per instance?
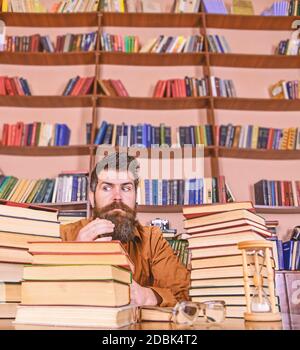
(266, 248)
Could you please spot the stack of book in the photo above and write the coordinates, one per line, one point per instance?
(288, 90)
(187, 87)
(288, 47)
(184, 191)
(79, 86)
(174, 44)
(277, 193)
(23, 6)
(75, 6)
(217, 269)
(14, 86)
(114, 6)
(18, 225)
(256, 137)
(242, 7)
(281, 8)
(218, 43)
(69, 186)
(118, 43)
(140, 135)
(195, 135)
(222, 87)
(35, 134)
(288, 254)
(111, 87)
(31, 43)
(215, 6)
(79, 284)
(75, 42)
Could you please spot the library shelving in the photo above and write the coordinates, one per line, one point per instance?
(205, 59)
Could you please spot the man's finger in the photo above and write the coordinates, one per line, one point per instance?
(103, 239)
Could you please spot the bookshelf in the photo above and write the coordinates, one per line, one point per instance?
(205, 61)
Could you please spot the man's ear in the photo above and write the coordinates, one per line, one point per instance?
(92, 199)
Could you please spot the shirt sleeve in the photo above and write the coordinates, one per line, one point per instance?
(171, 280)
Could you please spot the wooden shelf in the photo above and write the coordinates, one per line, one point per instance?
(46, 101)
(151, 152)
(40, 151)
(47, 59)
(153, 59)
(253, 61)
(174, 20)
(276, 210)
(15, 19)
(151, 103)
(256, 104)
(246, 153)
(250, 22)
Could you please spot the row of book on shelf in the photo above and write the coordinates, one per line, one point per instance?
(244, 7)
(171, 88)
(146, 135)
(66, 187)
(277, 193)
(130, 44)
(35, 134)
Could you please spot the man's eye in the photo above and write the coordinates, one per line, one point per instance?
(106, 188)
(127, 188)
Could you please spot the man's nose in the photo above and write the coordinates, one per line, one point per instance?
(117, 194)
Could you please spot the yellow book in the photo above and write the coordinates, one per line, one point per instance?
(121, 6)
(291, 138)
(35, 189)
(284, 140)
(197, 133)
(4, 6)
(242, 7)
(19, 190)
(28, 190)
(254, 136)
(13, 191)
(276, 90)
(23, 190)
(114, 135)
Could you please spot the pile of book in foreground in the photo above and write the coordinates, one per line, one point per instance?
(217, 268)
(20, 223)
(77, 284)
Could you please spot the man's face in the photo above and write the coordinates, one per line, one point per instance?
(115, 186)
(114, 200)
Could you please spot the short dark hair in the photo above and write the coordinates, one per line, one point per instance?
(120, 161)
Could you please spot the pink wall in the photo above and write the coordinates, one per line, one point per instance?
(140, 81)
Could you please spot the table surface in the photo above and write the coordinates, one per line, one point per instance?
(289, 322)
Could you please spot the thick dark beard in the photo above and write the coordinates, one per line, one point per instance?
(125, 222)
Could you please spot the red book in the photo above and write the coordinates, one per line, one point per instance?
(222, 189)
(115, 87)
(77, 87)
(162, 89)
(19, 133)
(14, 86)
(122, 88)
(292, 203)
(87, 84)
(5, 134)
(156, 88)
(173, 88)
(286, 193)
(2, 86)
(8, 87)
(270, 139)
(281, 183)
(298, 191)
(19, 87)
(183, 88)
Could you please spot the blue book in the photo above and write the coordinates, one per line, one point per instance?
(154, 191)
(273, 194)
(57, 131)
(147, 191)
(279, 245)
(64, 135)
(249, 136)
(25, 86)
(297, 260)
(101, 133)
(149, 135)
(287, 248)
(164, 192)
(70, 85)
(74, 189)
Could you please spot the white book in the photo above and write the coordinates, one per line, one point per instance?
(186, 192)
(54, 195)
(13, 190)
(28, 190)
(213, 85)
(149, 45)
(225, 45)
(159, 192)
(163, 41)
(151, 6)
(208, 193)
(67, 42)
(298, 139)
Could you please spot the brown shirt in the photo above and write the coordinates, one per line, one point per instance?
(156, 265)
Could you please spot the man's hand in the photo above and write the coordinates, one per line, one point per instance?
(142, 295)
(94, 229)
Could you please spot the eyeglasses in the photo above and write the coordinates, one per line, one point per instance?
(187, 312)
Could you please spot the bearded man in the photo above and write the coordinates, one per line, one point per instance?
(159, 277)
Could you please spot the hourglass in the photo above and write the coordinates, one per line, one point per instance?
(260, 300)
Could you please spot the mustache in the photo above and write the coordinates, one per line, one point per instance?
(117, 205)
